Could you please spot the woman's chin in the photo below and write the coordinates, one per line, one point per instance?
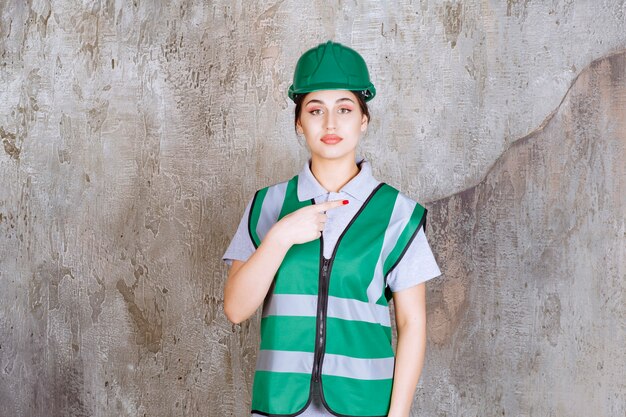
(332, 155)
(333, 152)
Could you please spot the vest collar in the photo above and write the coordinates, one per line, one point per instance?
(359, 187)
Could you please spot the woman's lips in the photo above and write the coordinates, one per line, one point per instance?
(331, 139)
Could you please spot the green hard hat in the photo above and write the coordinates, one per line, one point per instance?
(331, 66)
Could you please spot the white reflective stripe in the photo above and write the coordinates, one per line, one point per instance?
(270, 210)
(339, 365)
(291, 305)
(402, 210)
(285, 361)
(348, 309)
(341, 308)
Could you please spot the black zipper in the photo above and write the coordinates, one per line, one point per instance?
(322, 304)
(322, 301)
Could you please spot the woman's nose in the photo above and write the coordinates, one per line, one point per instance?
(330, 121)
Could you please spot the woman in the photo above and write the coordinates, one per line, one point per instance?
(324, 253)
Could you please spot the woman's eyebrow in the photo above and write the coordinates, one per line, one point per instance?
(320, 102)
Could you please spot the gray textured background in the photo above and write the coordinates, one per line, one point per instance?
(134, 132)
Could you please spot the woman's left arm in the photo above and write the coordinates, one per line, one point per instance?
(410, 308)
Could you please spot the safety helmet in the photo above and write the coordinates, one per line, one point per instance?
(331, 66)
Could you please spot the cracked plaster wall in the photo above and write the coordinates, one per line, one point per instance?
(133, 133)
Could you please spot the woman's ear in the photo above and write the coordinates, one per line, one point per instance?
(299, 128)
(364, 122)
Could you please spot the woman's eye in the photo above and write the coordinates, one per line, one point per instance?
(315, 111)
(344, 110)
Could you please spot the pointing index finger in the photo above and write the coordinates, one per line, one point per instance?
(327, 205)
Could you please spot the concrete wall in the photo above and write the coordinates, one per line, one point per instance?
(531, 316)
(133, 134)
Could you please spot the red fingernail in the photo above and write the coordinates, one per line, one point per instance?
(345, 202)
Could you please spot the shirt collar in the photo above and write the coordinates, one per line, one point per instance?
(359, 187)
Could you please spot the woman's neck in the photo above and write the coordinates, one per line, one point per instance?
(333, 174)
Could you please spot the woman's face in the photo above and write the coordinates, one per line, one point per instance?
(332, 123)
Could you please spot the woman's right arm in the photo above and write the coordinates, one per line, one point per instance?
(248, 282)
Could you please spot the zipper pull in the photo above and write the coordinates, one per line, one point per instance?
(325, 266)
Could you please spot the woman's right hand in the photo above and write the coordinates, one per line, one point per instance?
(248, 282)
(302, 225)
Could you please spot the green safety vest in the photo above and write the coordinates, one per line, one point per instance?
(326, 321)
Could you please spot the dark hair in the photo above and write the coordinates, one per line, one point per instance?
(299, 98)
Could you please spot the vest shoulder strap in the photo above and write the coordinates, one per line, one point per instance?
(268, 206)
(414, 223)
